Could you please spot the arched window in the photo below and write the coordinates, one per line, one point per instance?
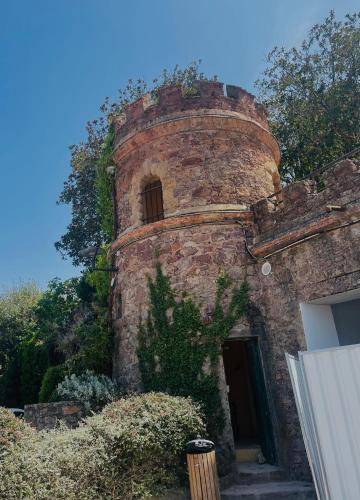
(152, 202)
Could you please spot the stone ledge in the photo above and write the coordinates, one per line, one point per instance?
(179, 222)
(308, 230)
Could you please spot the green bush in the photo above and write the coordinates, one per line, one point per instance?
(52, 378)
(34, 363)
(12, 429)
(95, 337)
(133, 449)
(95, 391)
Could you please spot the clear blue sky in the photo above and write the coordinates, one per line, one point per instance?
(59, 59)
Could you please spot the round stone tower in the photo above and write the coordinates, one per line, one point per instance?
(189, 167)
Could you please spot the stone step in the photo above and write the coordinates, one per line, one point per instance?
(289, 490)
(247, 453)
(250, 472)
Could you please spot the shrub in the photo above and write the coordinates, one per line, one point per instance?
(95, 391)
(95, 337)
(12, 429)
(133, 449)
(34, 358)
(47, 466)
(52, 378)
(145, 436)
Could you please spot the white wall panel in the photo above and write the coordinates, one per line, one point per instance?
(307, 427)
(319, 326)
(330, 401)
(333, 382)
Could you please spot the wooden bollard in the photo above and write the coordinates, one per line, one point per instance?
(201, 460)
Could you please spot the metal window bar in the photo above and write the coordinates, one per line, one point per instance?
(152, 202)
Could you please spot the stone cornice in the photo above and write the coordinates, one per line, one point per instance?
(176, 222)
(189, 121)
(293, 236)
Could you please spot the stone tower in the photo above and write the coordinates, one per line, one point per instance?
(193, 183)
(208, 157)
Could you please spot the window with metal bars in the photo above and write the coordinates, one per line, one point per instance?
(152, 202)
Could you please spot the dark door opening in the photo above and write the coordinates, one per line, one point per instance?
(249, 409)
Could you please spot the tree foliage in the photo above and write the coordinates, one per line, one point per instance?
(41, 333)
(72, 317)
(17, 321)
(17, 328)
(178, 351)
(53, 376)
(88, 188)
(313, 96)
(103, 189)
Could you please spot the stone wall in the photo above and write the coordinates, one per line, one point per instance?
(192, 257)
(217, 163)
(312, 241)
(301, 210)
(214, 156)
(44, 416)
(207, 151)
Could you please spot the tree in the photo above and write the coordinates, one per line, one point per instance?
(87, 185)
(16, 317)
(313, 96)
(72, 321)
(56, 316)
(17, 327)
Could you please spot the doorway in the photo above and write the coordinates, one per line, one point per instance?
(249, 409)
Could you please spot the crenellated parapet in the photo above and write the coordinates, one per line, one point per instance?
(304, 208)
(171, 101)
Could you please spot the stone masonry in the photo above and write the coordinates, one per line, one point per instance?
(45, 416)
(217, 162)
(314, 252)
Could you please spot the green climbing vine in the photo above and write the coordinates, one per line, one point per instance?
(178, 350)
(103, 187)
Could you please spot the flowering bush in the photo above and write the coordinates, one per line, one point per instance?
(12, 429)
(132, 450)
(95, 391)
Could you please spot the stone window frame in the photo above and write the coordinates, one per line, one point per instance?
(153, 216)
(148, 172)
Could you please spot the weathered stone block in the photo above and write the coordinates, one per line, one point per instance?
(45, 416)
(210, 89)
(298, 192)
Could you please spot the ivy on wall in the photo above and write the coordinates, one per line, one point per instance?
(178, 350)
(103, 187)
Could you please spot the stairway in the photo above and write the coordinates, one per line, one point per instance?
(266, 482)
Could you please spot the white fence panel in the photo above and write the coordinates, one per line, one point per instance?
(327, 390)
(307, 427)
